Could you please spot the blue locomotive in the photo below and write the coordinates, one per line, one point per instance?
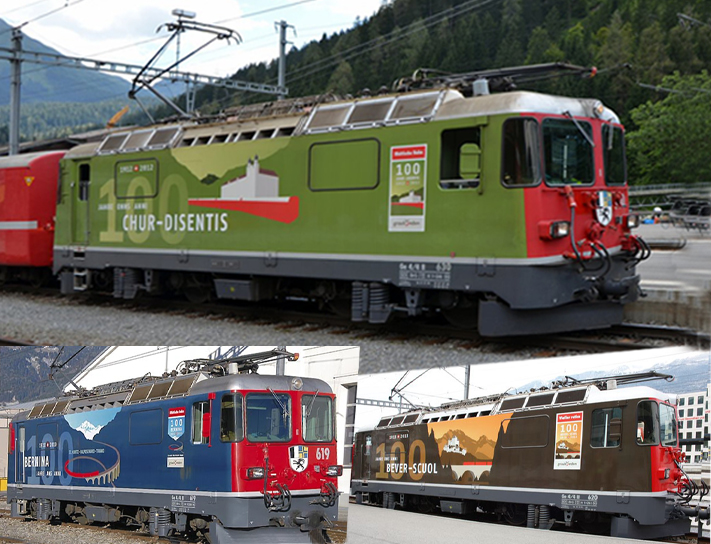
(210, 451)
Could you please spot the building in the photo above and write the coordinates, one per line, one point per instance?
(693, 411)
(6, 415)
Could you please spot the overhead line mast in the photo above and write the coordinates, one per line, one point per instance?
(144, 76)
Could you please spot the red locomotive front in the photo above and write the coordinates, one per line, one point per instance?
(283, 444)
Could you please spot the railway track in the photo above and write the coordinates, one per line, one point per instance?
(304, 316)
(13, 342)
(623, 337)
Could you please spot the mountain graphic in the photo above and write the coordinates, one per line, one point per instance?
(90, 423)
(481, 449)
(567, 447)
(88, 430)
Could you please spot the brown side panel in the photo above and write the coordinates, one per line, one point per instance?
(523, 458)
(507, 450)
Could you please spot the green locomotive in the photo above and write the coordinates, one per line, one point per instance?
(508, 211)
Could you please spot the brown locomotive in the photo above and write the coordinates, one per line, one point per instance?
(582, 454)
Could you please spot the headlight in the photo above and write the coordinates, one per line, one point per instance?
(335, 470)
(552, 230)
(255, 473)
(598, 109)
(632, 221)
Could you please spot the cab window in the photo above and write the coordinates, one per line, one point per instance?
(606, 428)
(647, 423)
(667, 425)
(567, 152)
(84, 181)
(201, 417)
(317, 418)
(613, 151)
(521, 155)
(231, 418)
(460, 158)
(268, 417)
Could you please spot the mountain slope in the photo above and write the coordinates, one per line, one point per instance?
(51, 84)
(24, 371)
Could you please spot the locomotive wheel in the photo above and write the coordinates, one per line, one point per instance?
(464, 314)
(38, 277)
(196, 294)
(197, 290)
(515, 514)
(340, 307)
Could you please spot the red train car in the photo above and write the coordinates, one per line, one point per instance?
(28, 194)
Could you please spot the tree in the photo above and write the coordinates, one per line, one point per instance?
(341, 81)
(511, 52)
(673, 142)
(615, 51)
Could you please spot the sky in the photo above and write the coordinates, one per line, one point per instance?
(441, 385)
(125, 31)
(339, 363)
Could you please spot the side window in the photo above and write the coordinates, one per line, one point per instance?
(521, 156)
(606, 428)
(647, 423)
(201, 420)
(460, 158)
(84, 181)
(525, 432)
(231, 420)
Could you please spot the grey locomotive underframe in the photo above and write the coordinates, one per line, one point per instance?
(635, 515)
(232, 512)
(523, 298)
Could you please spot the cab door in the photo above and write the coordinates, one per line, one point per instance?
(20, 477)
(80, 198)
(361, 460)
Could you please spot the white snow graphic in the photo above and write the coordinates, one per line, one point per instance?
(88, 430)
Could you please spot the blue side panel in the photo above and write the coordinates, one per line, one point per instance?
(146, 446)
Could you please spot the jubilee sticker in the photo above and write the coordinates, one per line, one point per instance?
(568, 439)
(408, 167)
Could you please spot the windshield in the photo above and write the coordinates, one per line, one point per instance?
(268, 417)
(568, 153)
(667, 425)
(613, 145)
(317, 418)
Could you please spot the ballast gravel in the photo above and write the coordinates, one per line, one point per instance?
(14, 531)
(54, 320)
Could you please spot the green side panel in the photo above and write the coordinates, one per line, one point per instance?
(351, 164)
(255, 196)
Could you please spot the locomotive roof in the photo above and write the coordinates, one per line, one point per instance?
(151, 389)
(576, 395)
(259, 381)
(316, 116)
(25, 159)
